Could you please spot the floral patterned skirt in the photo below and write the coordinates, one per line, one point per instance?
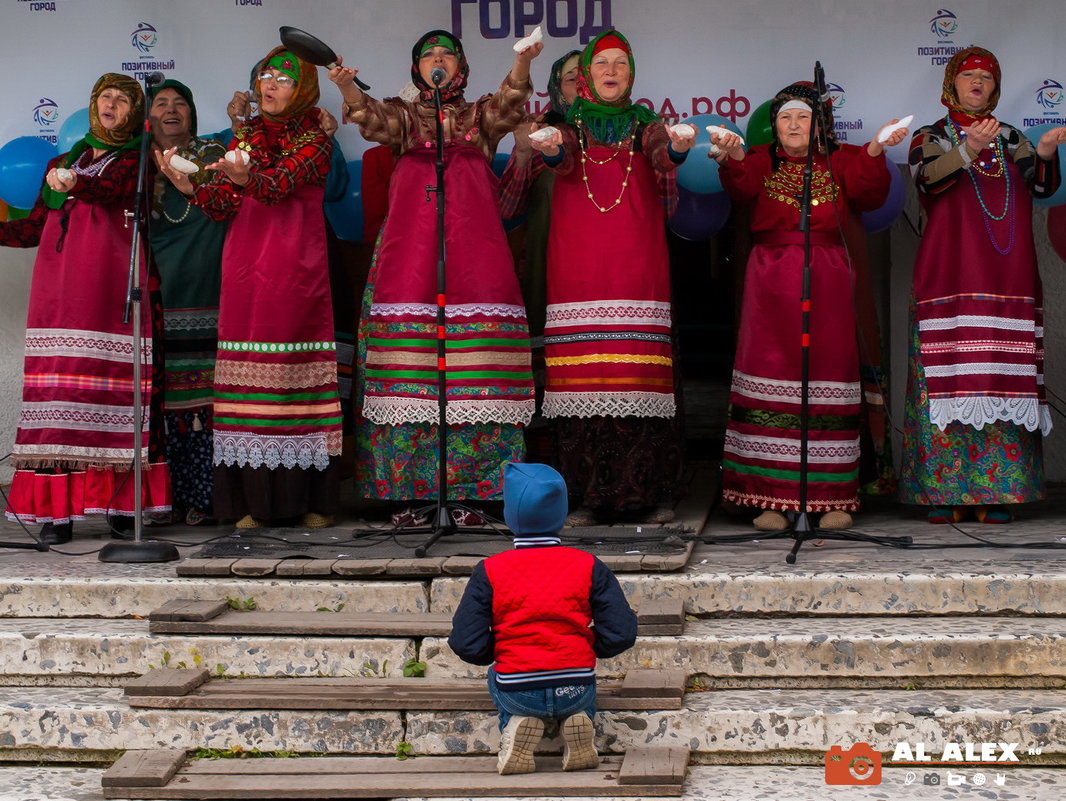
(1000, 463)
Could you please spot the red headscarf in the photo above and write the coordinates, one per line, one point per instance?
(968, 59)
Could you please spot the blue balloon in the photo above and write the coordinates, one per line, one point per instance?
(881, 219)
(73, 130)
(699, 216)
(698, 173)
(22, 165)
(499, 163)
(346, 215)
(1033, 135)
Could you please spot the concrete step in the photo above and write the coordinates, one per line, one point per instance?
(703, 782)
(111, 590)
(95, 652)
(752, 726)
(750, 652)
(869, 651)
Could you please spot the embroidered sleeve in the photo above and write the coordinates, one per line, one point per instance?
(502, 112)
(864, 178)
(220, 199)
(515, 182)
(935, 163)
(384, 123)
(1042, 176)
(744, 179)
(304, 160)
(116, 182)
(656, 146)
(25, 233)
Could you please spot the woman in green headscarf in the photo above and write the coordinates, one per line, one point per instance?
(608, 340)
(75, 439)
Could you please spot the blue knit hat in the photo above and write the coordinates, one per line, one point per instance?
(534, 499)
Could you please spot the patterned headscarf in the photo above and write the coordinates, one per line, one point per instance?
(557, 104)
(454, 88)
(970, 57)
(306, 95)
(130, 129)
(805, 92)
(182, 90)
(608, 122)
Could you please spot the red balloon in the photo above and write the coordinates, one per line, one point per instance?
(1056, 229)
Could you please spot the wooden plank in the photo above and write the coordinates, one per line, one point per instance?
(428, 566)
(189, 609)
(167, 682)
(461, 565)
(254, 567)
(692, 511)
(312, 624)
(218, 567)
(152, 768)
(392, 694)
(318, 567)
(290, 567)
(667, 562)
(360, 567)
(654, 684)
(661, 610)
(385, 777)
(193, 567)
(623, 562)
(654, 765)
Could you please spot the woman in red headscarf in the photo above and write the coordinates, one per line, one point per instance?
(276, 416)
(75, 438)
(761, 464)
(975, 407)
(608, 333)
(490, 386)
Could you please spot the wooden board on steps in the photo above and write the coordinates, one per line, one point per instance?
(636, 775)
(192, 689)
(660, 616)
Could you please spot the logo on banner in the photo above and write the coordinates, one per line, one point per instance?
(836, 95)
(1049, 96)
(145, 37)
(841, 126)
(38, 5)
(46, 113)
(944, 24)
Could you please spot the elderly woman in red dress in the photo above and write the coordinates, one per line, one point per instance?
(490, 387)
(975, 413)
(608, 341)
(762, 446)
(277, 419)
(75, 438)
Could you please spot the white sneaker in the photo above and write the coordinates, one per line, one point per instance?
(517, 741)
(579, 748)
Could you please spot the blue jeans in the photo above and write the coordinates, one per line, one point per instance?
(546, 703)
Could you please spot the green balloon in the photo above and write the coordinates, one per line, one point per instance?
(760, 126)
(17, 214)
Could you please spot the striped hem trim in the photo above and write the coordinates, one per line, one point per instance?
(576, 675)
(536, 541)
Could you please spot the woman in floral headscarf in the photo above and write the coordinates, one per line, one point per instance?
(608, 340)
(975, 407)
(490, 389)
(277, 420)
(762, 444)
(75, 439)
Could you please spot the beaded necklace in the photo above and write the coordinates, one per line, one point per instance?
(957, 135)
(585, 157)
(188, 207)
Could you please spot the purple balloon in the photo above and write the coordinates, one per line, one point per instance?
(699, 216)
(881, 219)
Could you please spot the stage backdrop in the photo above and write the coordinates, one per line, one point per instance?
(881, 59)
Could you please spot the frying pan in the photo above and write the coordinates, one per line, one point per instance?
(311, 49)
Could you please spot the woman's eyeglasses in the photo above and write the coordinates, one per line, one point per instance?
(281, 79)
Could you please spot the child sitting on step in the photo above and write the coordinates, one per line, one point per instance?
(528, 611)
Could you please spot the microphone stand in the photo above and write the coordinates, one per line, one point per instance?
(442, 523)
(138, 550)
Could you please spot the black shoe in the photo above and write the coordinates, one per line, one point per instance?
(56, 533)
(121, 527)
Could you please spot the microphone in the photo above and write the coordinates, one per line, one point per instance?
(154, 78)
(437, 75)
(819, 82)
